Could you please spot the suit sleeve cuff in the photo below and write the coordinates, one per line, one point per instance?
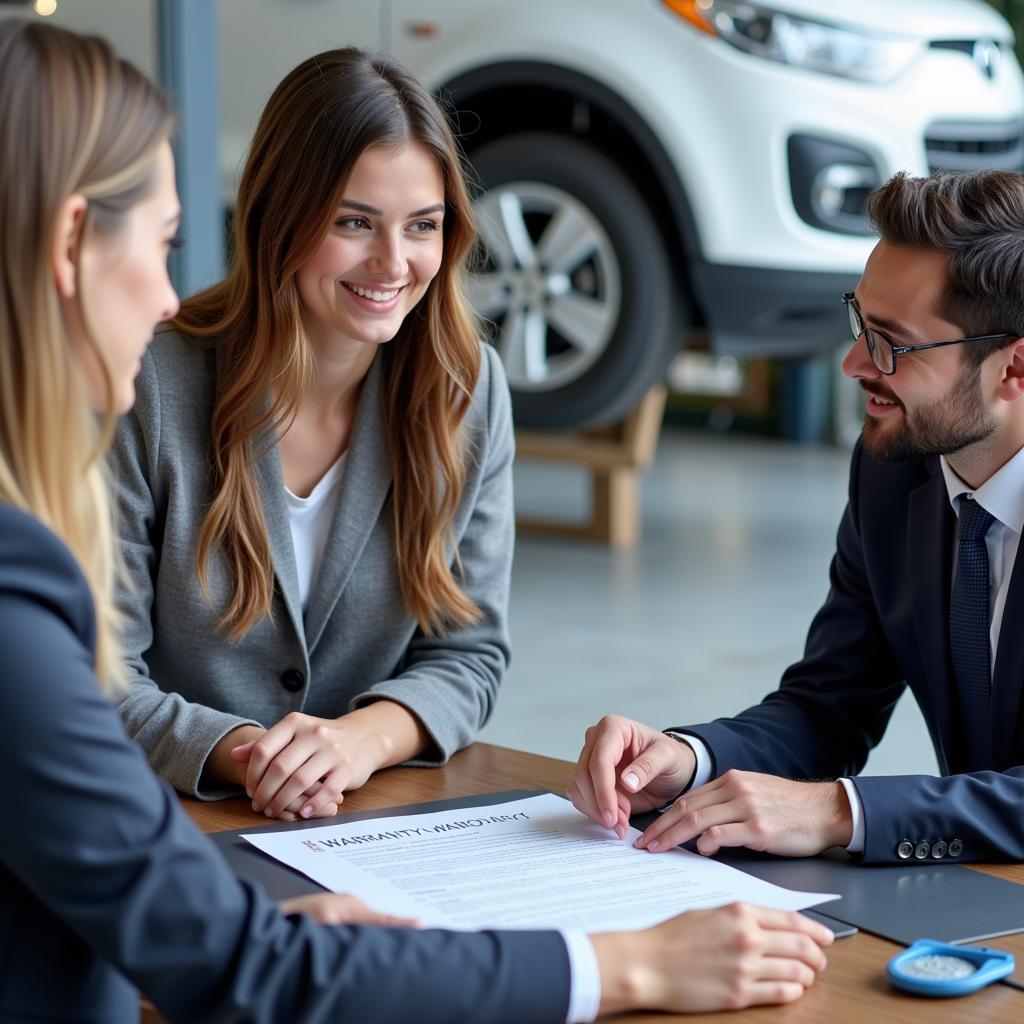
(702, 773)
(856, 844)
(584, 979)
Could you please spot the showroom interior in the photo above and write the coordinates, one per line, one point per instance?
(691, 602)
(509, 512)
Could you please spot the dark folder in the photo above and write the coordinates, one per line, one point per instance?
(947, 902)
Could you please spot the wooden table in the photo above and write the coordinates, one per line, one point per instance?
(852, 989)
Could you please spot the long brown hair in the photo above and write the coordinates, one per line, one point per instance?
(74, 119)
(318, 121)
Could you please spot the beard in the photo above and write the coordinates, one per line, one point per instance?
(947, 425)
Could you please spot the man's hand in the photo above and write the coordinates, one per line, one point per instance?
(722, 959)
(342, 908)
(626, 767)
(760, 812)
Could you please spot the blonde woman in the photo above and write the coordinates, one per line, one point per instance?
(315, 485)
(106, 886)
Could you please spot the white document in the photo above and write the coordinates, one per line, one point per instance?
(531, 863)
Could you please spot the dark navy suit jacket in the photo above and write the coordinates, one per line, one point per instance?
(884, 627)
(105, 884)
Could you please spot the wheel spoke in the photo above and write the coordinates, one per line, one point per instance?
(523, 345)
(492, 231)
(515, 229)
(487, 294)
(567, 240)
(584, 322)
(536, 345)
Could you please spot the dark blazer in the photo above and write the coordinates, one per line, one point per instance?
(882, 628)
(357, 642)
(105, 883)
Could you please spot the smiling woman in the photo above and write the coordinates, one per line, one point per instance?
(380, 254)
(319, 467)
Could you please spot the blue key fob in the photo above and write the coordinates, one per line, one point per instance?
(929, 968)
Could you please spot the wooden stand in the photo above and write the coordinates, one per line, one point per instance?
(615, 457)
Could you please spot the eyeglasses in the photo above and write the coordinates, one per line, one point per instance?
(884, 350)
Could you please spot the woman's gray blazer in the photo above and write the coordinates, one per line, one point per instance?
(190, 684)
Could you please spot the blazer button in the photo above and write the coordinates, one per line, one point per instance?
(292, 680)
(939, 850)
(956, 847)
(922, 849)
(905, 850)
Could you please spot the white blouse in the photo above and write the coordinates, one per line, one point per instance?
(310, 521)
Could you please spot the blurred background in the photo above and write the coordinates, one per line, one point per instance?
(669, 192)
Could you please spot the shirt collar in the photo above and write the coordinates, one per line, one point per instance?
(1002, 494)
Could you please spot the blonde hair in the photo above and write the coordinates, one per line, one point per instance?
(74, 119)
(318, 121)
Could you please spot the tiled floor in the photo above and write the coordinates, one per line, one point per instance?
(697, 622)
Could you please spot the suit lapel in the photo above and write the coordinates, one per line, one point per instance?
(364, 489)
(1008, 676)
(930, 543)
(279, 534)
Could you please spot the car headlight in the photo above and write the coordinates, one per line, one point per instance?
(801, 42)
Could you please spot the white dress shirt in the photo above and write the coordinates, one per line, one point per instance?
(1001, 495)
(584, 979)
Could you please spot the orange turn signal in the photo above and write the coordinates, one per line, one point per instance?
(692, 11)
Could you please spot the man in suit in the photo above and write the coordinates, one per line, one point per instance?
(927, 589)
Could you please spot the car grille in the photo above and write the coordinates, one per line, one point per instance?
(975, 146)
(964, 46)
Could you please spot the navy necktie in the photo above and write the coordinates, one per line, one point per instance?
(969, 632)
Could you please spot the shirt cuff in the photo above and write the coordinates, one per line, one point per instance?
(856, 844)
(584, 978)
(702, 773)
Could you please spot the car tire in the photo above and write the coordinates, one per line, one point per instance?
(574, 282)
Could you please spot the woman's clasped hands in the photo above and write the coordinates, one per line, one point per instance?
(302, 766)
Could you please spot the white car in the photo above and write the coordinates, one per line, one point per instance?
(654, 170)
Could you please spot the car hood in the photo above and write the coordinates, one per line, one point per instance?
(924, 19)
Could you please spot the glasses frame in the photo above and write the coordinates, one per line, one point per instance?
(871, 337)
